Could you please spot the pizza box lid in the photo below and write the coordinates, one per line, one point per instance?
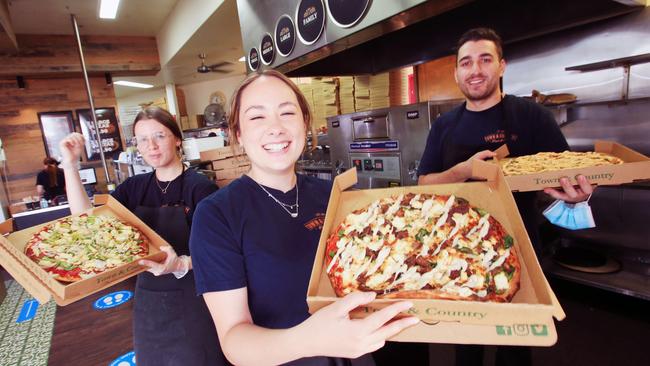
(534, 305)
(636, 167)
(43, 287)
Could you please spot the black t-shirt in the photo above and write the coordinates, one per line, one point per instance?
(242, 238)
(142, 190)
(462, 133)
(43, 179)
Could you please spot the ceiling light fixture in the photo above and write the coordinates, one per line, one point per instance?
(132, 84)
(242, 59)
(108, 8)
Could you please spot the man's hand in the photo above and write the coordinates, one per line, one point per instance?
(569, 193)
(463, 170)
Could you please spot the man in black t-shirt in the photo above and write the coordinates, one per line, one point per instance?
(487, 120)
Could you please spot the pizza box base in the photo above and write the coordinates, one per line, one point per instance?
(221, 153)
(534, 305)
(43, 287)
(636, 167)
(230, 163)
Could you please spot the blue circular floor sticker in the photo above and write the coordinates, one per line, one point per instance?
(112, 300)
(127, 359)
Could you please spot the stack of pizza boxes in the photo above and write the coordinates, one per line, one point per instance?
(42, 286)
(228, 163)
(635, 167)
(526, 320)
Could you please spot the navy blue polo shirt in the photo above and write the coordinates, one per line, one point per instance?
(241, 237)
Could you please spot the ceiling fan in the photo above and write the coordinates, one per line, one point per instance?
(204, 69)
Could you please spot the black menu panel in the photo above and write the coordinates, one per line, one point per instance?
(253, 59)
(346, 13)
(267, 49)
(310, 20)
(285, 35)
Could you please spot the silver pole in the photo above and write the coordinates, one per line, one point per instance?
(90, 98)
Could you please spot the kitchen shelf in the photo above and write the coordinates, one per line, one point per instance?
(622, 282)
(608, 64)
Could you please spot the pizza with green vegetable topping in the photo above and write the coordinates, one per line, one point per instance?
(423, 246)
(76, 248)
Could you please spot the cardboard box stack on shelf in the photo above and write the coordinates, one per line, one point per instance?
(379, 97)
(346, 94)
(398, 89)
(326, 101)
(228, 163)
(361, 93)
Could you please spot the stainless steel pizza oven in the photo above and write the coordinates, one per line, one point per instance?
(385, 145)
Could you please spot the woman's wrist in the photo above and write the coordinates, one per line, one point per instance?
(70, 165)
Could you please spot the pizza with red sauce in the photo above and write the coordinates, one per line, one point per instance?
(75, 248)
(423, 246)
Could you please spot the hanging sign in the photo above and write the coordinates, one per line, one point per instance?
(285, 35)
(310, 20)
(253, 59)
(346, 13)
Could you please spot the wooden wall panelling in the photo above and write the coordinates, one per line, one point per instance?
(57, 55)
(435, 80)
(20, 131)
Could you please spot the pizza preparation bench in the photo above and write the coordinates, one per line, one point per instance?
(25, 219)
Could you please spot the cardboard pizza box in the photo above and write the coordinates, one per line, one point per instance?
(444, 321)
(222, 153)
(43, 287)
(232, 162)
(232, 173)
(636, 167)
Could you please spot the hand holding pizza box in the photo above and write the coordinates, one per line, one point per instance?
(458, 312)
(70, 276)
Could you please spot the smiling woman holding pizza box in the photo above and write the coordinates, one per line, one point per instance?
(255, 240)
(171, 324)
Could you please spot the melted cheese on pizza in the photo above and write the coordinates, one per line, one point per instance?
(419, 242)
(549, 161)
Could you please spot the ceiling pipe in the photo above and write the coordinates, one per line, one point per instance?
(84, 72)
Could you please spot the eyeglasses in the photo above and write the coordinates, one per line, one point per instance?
(144, 141)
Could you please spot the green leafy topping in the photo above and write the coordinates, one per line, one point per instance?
(421, 234)
(341, 233)
(465, 250)
(481, 212)
(508, 241)
(332, 253)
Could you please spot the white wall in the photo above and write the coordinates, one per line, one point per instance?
(197, 95)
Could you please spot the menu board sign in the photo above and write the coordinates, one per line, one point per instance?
(310, 20)
(109, 132)
(267, 49)
(253, 59)
(285, 37)
(346, 13)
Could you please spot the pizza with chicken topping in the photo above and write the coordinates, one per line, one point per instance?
(550, 161)
(423, 246)
(76, 248)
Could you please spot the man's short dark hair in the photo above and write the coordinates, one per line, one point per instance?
(480, 34)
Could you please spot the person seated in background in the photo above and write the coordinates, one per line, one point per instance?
(50, 181)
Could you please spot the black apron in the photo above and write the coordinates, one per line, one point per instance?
(172, 325)
(453, 153)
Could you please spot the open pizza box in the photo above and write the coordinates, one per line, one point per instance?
(636, 167)
(43, 287)
(527, 320)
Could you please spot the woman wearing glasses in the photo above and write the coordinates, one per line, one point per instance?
(255, 240)
(171, 324)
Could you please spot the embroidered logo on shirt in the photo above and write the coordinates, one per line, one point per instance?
(498, 137)
(316, 223)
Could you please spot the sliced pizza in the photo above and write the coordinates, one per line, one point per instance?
(423, 246)
(76, 248)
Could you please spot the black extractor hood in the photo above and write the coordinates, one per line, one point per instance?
(353, 37)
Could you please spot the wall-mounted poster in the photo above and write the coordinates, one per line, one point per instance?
(109, 132)
(54, 127)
